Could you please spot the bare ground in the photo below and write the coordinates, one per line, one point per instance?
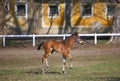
(91, 62)
(31, 52)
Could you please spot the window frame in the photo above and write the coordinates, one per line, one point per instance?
(56, 15)
(81, 11)
(21, 11)
(107, 12)
(25, 11)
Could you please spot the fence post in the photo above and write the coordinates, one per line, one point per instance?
(33, 40)
(63, 36)
(95, 39)
(3, 40)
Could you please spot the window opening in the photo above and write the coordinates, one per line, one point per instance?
(21, 10)
(86, 9)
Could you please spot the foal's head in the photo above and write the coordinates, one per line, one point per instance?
(77, 38)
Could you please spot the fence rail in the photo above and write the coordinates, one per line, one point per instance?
(95, 35)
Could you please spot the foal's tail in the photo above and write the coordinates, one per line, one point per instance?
(39, 47)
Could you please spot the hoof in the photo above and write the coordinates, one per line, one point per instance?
(47, 68)
(64, 72)
(42, 72)
(70, 68)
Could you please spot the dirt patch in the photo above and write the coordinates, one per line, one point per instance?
(32, 52)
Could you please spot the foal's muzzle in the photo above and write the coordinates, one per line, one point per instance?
(81, 42)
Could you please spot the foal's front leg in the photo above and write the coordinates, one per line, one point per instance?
(64, 64)
(47, 65)
(71, 62)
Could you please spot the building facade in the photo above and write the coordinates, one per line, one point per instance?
(58, 16)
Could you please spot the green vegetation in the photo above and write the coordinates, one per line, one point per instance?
(87, 67)
(102, 41)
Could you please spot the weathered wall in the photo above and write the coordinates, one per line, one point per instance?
(99, 14)
(38, 21)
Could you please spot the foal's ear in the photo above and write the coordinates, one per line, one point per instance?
(75, 33)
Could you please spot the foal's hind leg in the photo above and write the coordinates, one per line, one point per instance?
(44, 58)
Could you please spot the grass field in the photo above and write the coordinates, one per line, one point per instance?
(24, 65)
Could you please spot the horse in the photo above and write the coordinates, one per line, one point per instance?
(62, 46)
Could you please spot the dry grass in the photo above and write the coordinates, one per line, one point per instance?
(23, 64)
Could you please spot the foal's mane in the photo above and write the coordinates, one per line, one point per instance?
(68, 41)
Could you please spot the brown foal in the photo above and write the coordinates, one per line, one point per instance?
(62, 46)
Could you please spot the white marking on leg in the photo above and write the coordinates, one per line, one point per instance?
(51, 49)
(49, 53)
(47, 65)
(64, 63)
